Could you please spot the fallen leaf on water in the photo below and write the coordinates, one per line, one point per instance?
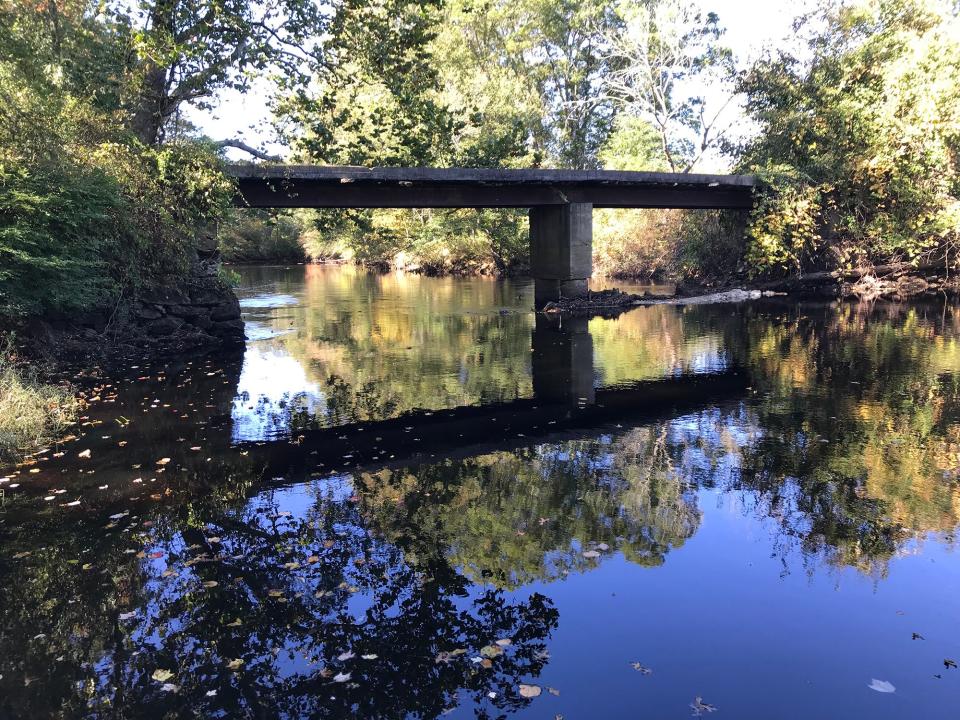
(341, 677)
(446, 656)
(553, 691)
(603, 547)
(211, 693)
(210, 584)
(169, 687)
(156, 555)
(275, 593)
(235, 623)
(128, 615)
(161, 675)
(313, 559)
(881, 686)
(591, 554)
(503, 642)
(345, 656)
(530, 691)
(371, 656)
(640, 668)
(291, 565)
(235, 664)
(163, 461)
(700, 707)
(491, 651)
(85, 454)
(169, 573)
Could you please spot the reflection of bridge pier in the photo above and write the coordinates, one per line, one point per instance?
(562, 361)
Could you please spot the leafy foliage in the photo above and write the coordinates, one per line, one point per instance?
(860, 141)
(88, 214)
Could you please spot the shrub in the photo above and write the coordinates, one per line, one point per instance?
(257, 236)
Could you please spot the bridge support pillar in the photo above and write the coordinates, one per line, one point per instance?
(561, 250)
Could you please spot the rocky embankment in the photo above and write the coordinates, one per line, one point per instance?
(198, 312)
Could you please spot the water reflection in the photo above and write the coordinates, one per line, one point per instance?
(344, 521)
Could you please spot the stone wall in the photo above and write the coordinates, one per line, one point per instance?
(198, 313)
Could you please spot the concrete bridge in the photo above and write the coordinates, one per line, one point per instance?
(561, 202)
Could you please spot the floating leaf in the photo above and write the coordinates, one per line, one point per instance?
(161, 675)
(640, 668)
(84, 454)
(128, 615)
(503, 642)
(163, 461)
(881, 686)
(235, 664)
(343, 657)
(210, 584)
(591, 554)
(371, 656)
(341, 677)
(446, 656)
(700, 707)
(491, 651)
(530, 691)
(313, 559)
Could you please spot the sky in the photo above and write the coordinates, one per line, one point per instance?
(750, 25)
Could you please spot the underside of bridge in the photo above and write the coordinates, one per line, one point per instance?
(561, 202)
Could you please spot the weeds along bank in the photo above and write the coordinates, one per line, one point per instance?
(640, 244)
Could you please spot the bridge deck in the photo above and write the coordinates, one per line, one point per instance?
(354, 187)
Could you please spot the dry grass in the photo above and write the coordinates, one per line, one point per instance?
(31, 412)
(636, 243)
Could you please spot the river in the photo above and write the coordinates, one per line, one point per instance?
(413, 497)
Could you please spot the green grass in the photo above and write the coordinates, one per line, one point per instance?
(31, 412)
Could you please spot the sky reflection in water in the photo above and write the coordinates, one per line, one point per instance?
(769, 541)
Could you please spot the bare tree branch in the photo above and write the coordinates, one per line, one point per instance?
(240, 145)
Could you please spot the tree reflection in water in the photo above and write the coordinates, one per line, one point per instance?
(256, 611)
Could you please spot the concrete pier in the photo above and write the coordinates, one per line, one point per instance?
(561, 250)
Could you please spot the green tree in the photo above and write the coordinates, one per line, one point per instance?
(860, 138)
(663, 61)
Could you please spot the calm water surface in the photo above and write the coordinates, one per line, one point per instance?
(412, 497)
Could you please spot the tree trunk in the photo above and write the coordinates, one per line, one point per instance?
(153, 104)
(151, 110)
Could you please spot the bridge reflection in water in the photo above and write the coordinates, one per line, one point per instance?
(565, 405)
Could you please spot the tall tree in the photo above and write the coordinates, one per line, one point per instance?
(187, 50)
(669, 68)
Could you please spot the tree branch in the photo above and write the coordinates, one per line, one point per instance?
(240, 145)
